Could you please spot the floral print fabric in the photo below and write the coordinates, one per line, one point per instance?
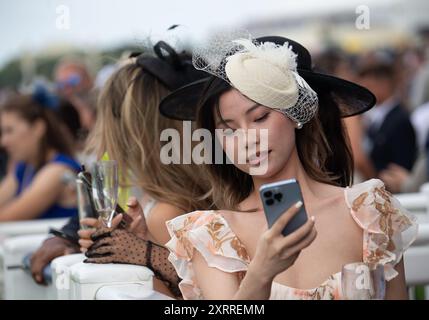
(388, 230)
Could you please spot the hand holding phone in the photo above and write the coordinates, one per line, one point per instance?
(278, 197)
(275, 252)
(290, 230)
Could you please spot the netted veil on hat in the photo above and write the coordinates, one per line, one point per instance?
(273, 71)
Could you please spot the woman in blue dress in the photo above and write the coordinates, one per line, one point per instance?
(40, 146)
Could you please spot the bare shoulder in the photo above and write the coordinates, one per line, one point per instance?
(50, 174)
(52, 170)
(335, 224)
(162, 212)
(156, 221)
(338, 209)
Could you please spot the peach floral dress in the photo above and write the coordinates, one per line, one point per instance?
(388, 230)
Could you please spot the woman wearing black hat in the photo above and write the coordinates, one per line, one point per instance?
(268, 84)
(127, 129)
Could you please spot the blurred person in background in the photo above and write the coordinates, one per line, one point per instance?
(40, 145)
(419, 95)
(396, 177)
(5, 93)
(390, 136)
(3, 162)
(74, 82)
(338, 63)
(400, 179)
(56, 246)
(419, 83)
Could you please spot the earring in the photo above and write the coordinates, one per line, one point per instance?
(299, 125)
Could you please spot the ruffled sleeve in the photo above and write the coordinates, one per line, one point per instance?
(388, 228)
(209, 233)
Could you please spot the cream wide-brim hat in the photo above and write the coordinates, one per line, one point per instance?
(352, 99)
(262, 81)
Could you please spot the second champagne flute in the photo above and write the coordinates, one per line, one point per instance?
(105, 189)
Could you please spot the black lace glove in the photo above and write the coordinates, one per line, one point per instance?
(121, 246)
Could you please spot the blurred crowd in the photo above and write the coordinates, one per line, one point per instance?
(390, 141)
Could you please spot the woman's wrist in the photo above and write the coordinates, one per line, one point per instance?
(255, 285)
(259, 275)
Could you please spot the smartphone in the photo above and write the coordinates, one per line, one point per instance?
(279, 196)
(62, 234)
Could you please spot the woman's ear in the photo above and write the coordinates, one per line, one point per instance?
(39, 128)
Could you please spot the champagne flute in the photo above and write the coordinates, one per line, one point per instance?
(363, 281)
(105, 189)
(84, 202)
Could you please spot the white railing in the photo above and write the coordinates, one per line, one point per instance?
(417, 203)
(18, 283)
(17, 228)
(9, 230)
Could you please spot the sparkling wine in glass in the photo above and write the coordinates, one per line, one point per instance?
(105, 189)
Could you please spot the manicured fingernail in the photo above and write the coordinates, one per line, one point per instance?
(298, 204)
(313, 218)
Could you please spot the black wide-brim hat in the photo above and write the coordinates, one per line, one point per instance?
(352, 99)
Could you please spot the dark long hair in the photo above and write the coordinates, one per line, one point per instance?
(56, 137)
(322, 145)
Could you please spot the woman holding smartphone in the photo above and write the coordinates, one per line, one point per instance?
(268, 85)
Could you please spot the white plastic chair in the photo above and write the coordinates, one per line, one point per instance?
(61, 274)
(19, 228)
(423, 235)
(416, 262)
(133, 291)
(87, 279)
(417, 203)
(18, 283)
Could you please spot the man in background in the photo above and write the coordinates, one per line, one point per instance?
(390, 136)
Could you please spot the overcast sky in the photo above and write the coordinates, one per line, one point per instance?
(31, 24)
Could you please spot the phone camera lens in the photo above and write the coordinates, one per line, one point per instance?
(269, 202)
(268, 194)
(278, 196)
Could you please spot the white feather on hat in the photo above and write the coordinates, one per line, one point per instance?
(265, 73)
(279, 55)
